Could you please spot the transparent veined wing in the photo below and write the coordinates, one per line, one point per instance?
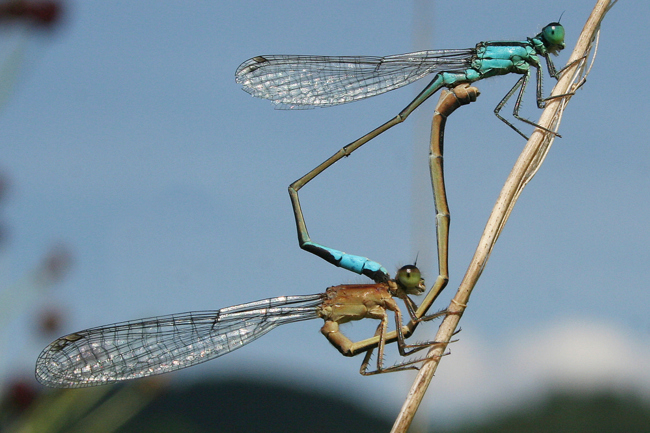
(322, 81)
(147, 347)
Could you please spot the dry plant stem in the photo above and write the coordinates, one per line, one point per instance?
(525, 167)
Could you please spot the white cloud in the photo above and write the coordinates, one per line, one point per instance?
(573, 354)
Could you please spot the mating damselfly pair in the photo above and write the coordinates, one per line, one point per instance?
(146, 347)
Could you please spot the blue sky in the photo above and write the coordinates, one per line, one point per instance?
(127, 138)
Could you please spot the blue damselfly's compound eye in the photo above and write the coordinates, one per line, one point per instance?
(553, 36)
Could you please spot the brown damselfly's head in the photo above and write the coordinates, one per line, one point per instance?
(410, 280)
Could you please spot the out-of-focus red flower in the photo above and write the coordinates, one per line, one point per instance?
(42, 13)
(57, 262)
(49, 321)
(20, 395)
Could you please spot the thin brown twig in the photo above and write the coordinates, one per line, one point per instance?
(524, 169)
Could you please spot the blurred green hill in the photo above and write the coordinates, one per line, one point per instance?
(252, 406)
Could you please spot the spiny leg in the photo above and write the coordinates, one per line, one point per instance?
(521, 85)
(406, 365)
(557, 75)
(505, 99)
(381, 333)
(401, 366)
(401, 339)
(540, 102)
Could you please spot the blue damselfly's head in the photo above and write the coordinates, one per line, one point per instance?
(553, 38)
(409, 278)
